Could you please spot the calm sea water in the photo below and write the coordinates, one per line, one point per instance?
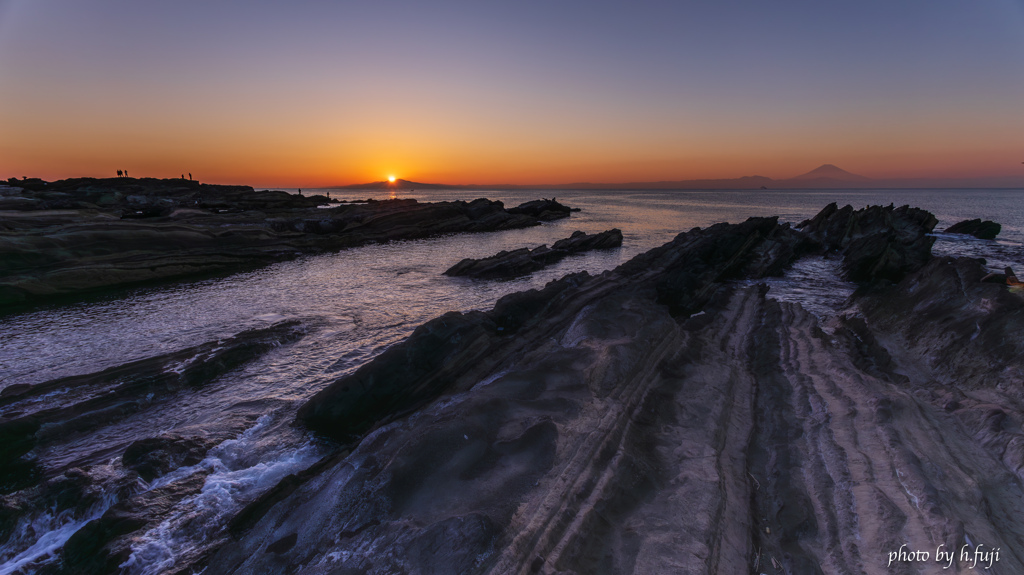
(355, 304)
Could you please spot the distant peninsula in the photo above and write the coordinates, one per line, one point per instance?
(827, 176)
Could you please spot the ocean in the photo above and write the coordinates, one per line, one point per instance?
(353, 305)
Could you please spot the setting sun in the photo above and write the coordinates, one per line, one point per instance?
(391, 179)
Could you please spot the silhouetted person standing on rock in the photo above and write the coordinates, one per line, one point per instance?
(119, 173)
(190, 176)
(1011, 278)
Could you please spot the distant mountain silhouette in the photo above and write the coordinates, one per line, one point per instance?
(399, 184)
(831, 172)
(826, 176)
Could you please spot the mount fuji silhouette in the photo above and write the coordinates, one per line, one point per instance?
(831, 172)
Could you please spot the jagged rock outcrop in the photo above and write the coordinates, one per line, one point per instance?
(524, 261)
(983, 230)
(581, 242)
(957, 325)
(84, 236)
(877, 242)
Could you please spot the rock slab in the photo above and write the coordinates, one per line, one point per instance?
(983, 230)
(524, 261)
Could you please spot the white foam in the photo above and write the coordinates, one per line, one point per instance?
(56, 529)
(232, 483)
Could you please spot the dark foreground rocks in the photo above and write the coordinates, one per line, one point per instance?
(983, 230)
(526, 261)
(660, 418)
(65, 239)
(667, 416)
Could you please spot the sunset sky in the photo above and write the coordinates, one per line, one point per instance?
(315, 93)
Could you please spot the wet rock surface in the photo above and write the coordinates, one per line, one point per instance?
(39, 487)
(155, 456)
(983, 230)
(525, 261)
(92, 401)
(62, 240)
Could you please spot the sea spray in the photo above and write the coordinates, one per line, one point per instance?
(234, 479)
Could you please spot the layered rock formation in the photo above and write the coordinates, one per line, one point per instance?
(658, 419)
(525, 261)
(81, 236)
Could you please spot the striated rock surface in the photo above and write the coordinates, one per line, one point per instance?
(983, 230)
(524, 261)
(659, 419)
(82, 236)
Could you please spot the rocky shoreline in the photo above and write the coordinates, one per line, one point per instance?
(60, 241)
(664, 416)
(657, 418)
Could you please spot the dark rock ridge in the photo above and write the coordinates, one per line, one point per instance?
(524, 261)
(81, 236)
(877, 242)
(545, 210)
(129, 196)
(659, 418)
(689, 271)
(983, 230)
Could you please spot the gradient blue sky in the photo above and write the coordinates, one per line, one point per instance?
(318, 93)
